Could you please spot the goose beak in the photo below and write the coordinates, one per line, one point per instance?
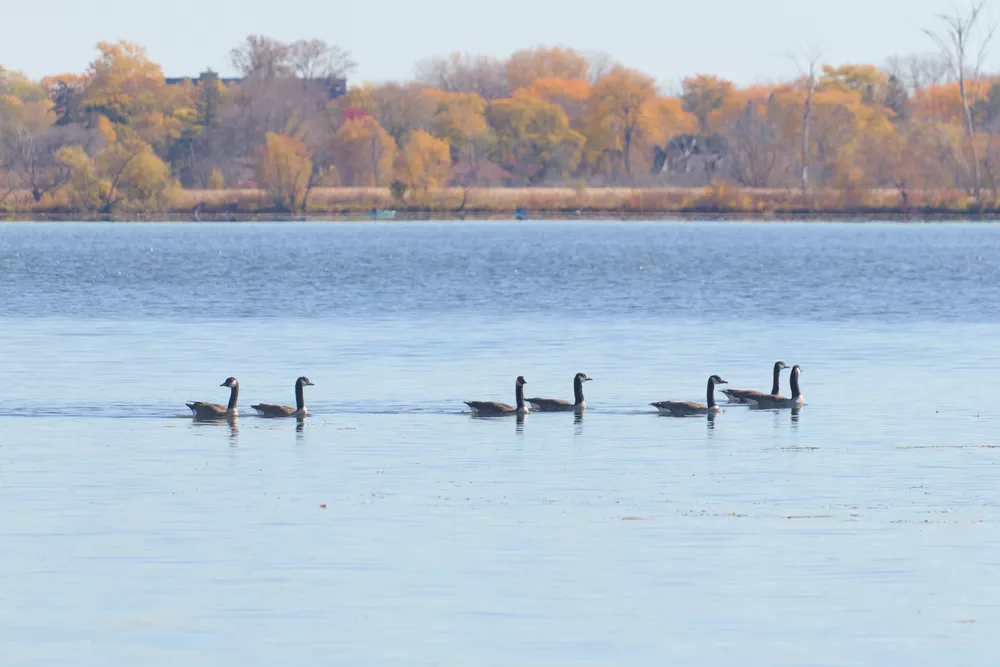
(311, 384)
(587, 379)
(722, 382)
(223, 384)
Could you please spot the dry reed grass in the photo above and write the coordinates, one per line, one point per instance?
(718, 199)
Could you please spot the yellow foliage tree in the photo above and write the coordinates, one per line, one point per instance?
(534, 139)
(425, 162)
(284, 166)
(123, 83)
(619, 103)
(365, 153)
(133, 172)
(83, 189)
(460, 119)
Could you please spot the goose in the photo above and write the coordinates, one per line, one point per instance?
(491, 409)
(558, 405)
(741, 395)
(214, 410)
(685, 409)
(777, 401)
(270, 410)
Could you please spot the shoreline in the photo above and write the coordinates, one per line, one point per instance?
(529, 216)
(721, 202)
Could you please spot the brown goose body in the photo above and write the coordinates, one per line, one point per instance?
(744, 395)
(273, 410)
(689, 408)
(494, 409)
(206, 411)
(779, 402)
(559, 405)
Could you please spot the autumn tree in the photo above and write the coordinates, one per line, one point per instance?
(366, 153)
(424, 164)
(123, 83)
(570, 94)
(703, 94)
(284, 165)
(132, 170)
(460, 119)
(528, 65)
(618, 102)
(534, 139)
(82, 188)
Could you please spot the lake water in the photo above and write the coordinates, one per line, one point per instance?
(391, 528)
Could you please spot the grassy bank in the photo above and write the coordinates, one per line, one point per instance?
(722, 201)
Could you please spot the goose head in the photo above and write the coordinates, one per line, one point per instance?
(521, 381)
(780, 365)
(715, 379)
(230, 382)
(304, 382)
(796, 369)
(582, 377)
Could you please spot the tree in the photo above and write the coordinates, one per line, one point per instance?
(123, 83)
(465, 73)
(618, 102)
(424, 164)
(753, 145)
(460, 119)
(83, 188)
(534, 139)
(964, 36)
(262, 57)
(315, 60)
(132, 171)
(807, 81)
(703, 94)
(571, 94)
(366, 153)
(283, 167)
(866, 80)
(526, 66)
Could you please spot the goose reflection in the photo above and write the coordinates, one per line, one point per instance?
(519, 423)
(300, 424)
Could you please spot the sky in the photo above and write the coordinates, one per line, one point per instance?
(746, 41)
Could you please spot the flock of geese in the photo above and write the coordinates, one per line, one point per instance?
(771, 401)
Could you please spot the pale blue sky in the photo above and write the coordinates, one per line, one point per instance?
(740, 39)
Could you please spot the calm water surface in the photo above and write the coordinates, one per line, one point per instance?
(391, 528)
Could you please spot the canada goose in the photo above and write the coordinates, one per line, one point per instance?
(777, 401)
(685, 409)
(740, 395)
(214, 410)
(558, 405)
(269, 410)
(491, 409)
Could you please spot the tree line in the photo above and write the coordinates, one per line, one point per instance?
(121, 136)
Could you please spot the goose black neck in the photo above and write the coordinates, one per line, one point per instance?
(234, 394)
(578, 391)
(775, 385)
(300, 399)
(519, 395)
(794, 380)
(711, 393)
